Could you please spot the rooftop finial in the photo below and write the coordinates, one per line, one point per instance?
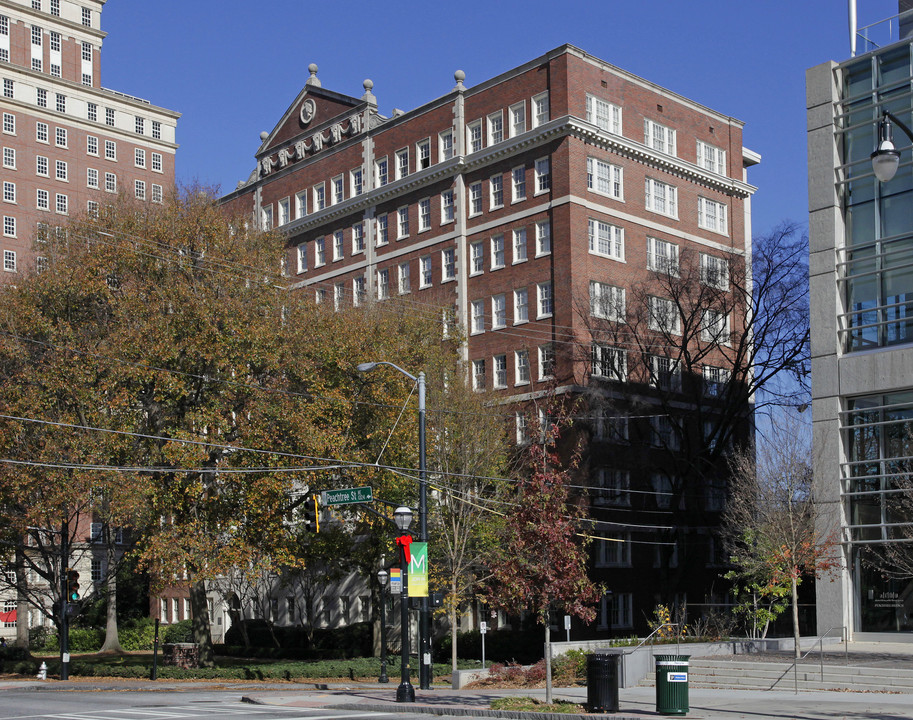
(312, 80)
(459, 76)
(263, 136)
(368, 97)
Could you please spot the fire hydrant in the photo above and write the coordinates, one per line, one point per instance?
(43, 672)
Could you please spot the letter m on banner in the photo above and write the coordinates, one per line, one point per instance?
(418, 570)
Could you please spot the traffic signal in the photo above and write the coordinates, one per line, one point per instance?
(72, 585)
(311, 513)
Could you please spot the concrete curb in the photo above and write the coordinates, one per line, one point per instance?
(479, 712)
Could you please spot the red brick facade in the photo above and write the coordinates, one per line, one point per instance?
(68, 144)
(553, 124)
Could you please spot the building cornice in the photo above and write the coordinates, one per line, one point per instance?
(567, 126)
(47, 21)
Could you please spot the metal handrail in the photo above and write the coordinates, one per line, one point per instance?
(678, 640)
(820, 643)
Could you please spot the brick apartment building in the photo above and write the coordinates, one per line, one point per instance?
(67, 142)
(521, 208)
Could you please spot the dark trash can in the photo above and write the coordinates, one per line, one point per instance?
(602, 683)
(672, 684)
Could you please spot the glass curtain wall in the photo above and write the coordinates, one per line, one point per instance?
(876, 264)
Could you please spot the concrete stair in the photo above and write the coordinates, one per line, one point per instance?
(764, 675)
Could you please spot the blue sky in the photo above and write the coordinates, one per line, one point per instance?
(232, 67)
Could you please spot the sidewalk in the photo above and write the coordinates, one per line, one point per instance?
(634, 703)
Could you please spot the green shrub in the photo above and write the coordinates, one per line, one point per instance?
(43, 638)
(83, 639)
(570, 668)
(179, 632)
(137, 634)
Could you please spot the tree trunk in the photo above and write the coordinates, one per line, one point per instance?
(112, 640)
(22, 606)
(200, 623)
(795, 598)
(548, 662)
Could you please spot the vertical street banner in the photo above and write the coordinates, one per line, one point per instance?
(396, 581)
(418, 570)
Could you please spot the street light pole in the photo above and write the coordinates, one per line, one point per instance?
(405, 692)
(424, 617)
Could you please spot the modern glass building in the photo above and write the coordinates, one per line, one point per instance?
(861, 237)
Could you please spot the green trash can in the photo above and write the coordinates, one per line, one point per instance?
(672, 684)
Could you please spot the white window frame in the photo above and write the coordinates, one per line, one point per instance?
(609, 362)
(426, 276)
(543, 173)
(445, 147)
(475, 199)
(358, 238)
(402, 222)
(383, 284)
(661, 312)
(546, 357)
(661, 198)
(496, 194)
(714, 380)
(517, 117)
(543, 238)
(604, 178)
(478, 375)
(476, 317)
(476, 258)
(475, 140)
(607, 301)
(42, 166)
(659, 137)
(447, 207)
(606, 240)
(495, 127)
(518, 184)
(522, 375)
(381, 171)
(498, 258)
(339, 245)
(320, 252)
(356, 181)
(665, 373)
(423, 154)
(539, 109)
(382, 230)
(662, 256)
(521, 306)
(403, 282)
(43, 199)
(498, 311)
(284, 211)
(711, 158)
(519, 245)
(714, 271)
(545, 300)
(448, 265)
(302, 257)
(499, 371)
(713, 216)
(603, 114)
(715, 327)
(337, 190)
(424, 214)
(402, 163)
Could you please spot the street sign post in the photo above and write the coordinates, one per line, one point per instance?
(483, 628)
(347, 496)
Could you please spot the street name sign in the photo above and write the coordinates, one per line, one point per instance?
(347, 496)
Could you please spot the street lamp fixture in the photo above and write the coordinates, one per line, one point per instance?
(424, 616)
(383, 577)
(886, 157)
(402, 517)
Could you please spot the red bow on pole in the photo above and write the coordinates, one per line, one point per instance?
(405, 541)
